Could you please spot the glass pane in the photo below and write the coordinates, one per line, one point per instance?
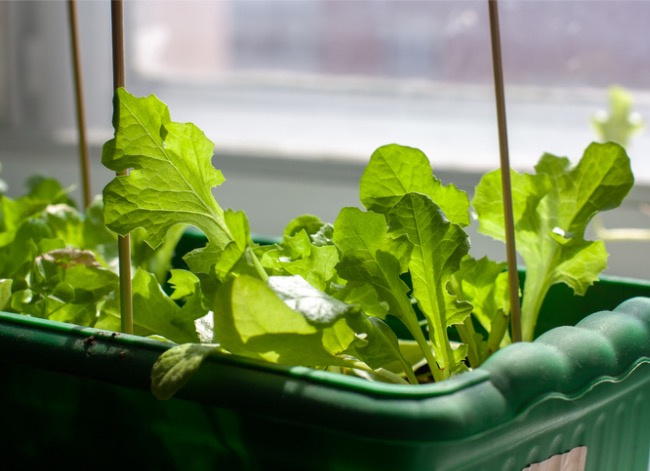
(336, 79)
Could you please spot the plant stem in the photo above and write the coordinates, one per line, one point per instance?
(409, 319)
(497, 337)
(468, 337)
(381, 372)
(438, 326)
(408, 371)
(466, 329)
(257, 264)
(535, 290)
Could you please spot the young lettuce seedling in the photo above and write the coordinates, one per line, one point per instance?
(551, 210)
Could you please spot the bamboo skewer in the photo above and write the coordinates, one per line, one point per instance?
(511, 254)
(79, 101)
(124, 242)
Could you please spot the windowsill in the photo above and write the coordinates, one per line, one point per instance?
(346, 120)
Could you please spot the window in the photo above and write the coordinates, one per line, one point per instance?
(336, 79)
(297, 94)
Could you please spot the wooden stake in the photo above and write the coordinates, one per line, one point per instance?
(511, 253)
(79, 100)
(124, 242)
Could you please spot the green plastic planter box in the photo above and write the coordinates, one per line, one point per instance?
(79, 397)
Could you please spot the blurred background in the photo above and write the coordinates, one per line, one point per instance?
(296, 94)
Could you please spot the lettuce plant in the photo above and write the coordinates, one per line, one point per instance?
(59, 263)
(326, 296)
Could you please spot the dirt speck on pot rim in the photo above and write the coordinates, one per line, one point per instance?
(89, 343)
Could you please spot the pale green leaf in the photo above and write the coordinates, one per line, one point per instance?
(317, 307)
(619, 123)
(394, 171)
(171, 178)
(318, 268)
(438, 247)
(484, 283)
(365, 296)
(5, 293)
(183, 283)
(369, 256)
(309, 223)
(155, 312)
(251, 320)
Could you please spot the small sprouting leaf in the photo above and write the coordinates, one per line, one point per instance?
(187, 289)
(620, 123)
(183, 282)
(307, 222)
(324, 236)
(311, 256)
(318, 268)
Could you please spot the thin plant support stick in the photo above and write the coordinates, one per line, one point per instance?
(79, 101)
(511, 253)
(124, 242)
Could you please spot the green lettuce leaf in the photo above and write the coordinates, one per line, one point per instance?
(438, 248)
(306, 249)
(484, 284)
(369, 256)
(42, 192)
(171, 177)
(157, 261)
(308, 223)
(288, 321)
(67, 285)
(154, 312)
(394, 171)
(251, 320)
